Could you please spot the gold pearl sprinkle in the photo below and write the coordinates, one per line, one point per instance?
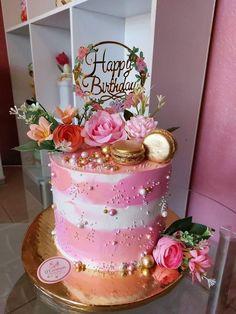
(97, 155)
(67, 158)
(124, 273)
(79, 266)
(106, 149)
(145, 272)
(147, 261)
(105, 210)
(83, 162)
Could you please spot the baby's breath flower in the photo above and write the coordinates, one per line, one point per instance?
(34, 107)
(210, 281)
(16, 111)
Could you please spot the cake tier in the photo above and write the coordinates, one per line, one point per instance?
(105, 218)
(114, 289)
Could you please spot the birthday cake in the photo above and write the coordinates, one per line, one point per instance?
(110, 171)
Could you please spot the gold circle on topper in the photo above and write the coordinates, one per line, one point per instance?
(160, 146)
(101, 73)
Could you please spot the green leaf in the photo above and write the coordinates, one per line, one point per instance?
(127, 115)
(173, 128)
(208, 233)
(52, 121)
(27, 147)
(197, 229)
(137, 76)
(181, 224)
(141, 54)
(31, 101)
(48, 145)
(76, 75)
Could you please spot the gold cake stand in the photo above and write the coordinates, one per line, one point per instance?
(88, 290)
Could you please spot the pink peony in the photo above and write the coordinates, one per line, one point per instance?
(168, 253)
(140, 126)
(141, 64)
(103, 128)
(83, 51)
(199, 262)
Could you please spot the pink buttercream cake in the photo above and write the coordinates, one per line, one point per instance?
(107, 217)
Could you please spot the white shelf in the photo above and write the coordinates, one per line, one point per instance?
(121, 8)
(20, 29)
(49, 37)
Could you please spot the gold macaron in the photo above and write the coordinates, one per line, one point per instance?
(160, 146)
(128, 152)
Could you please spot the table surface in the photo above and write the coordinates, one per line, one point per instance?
(19, 204)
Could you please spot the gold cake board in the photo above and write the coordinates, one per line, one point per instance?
(87, 290)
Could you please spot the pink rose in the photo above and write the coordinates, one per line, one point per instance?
(199, 262)
(139, 126)
(103, 128)
(83, 51)
(141, 64)
(168, 253)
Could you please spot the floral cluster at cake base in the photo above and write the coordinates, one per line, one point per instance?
(184, 246)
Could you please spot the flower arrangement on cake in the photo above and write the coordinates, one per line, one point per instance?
(67, 130)
(121, 142)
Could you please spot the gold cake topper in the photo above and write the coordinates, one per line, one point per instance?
(106, 72)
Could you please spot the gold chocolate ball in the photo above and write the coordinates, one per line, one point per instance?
(145, 272)
(106, 149)
(148, 261)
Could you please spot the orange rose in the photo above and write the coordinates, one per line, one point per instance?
(67, 138)
(165, 276)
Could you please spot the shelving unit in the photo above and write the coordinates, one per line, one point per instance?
(51, 30)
